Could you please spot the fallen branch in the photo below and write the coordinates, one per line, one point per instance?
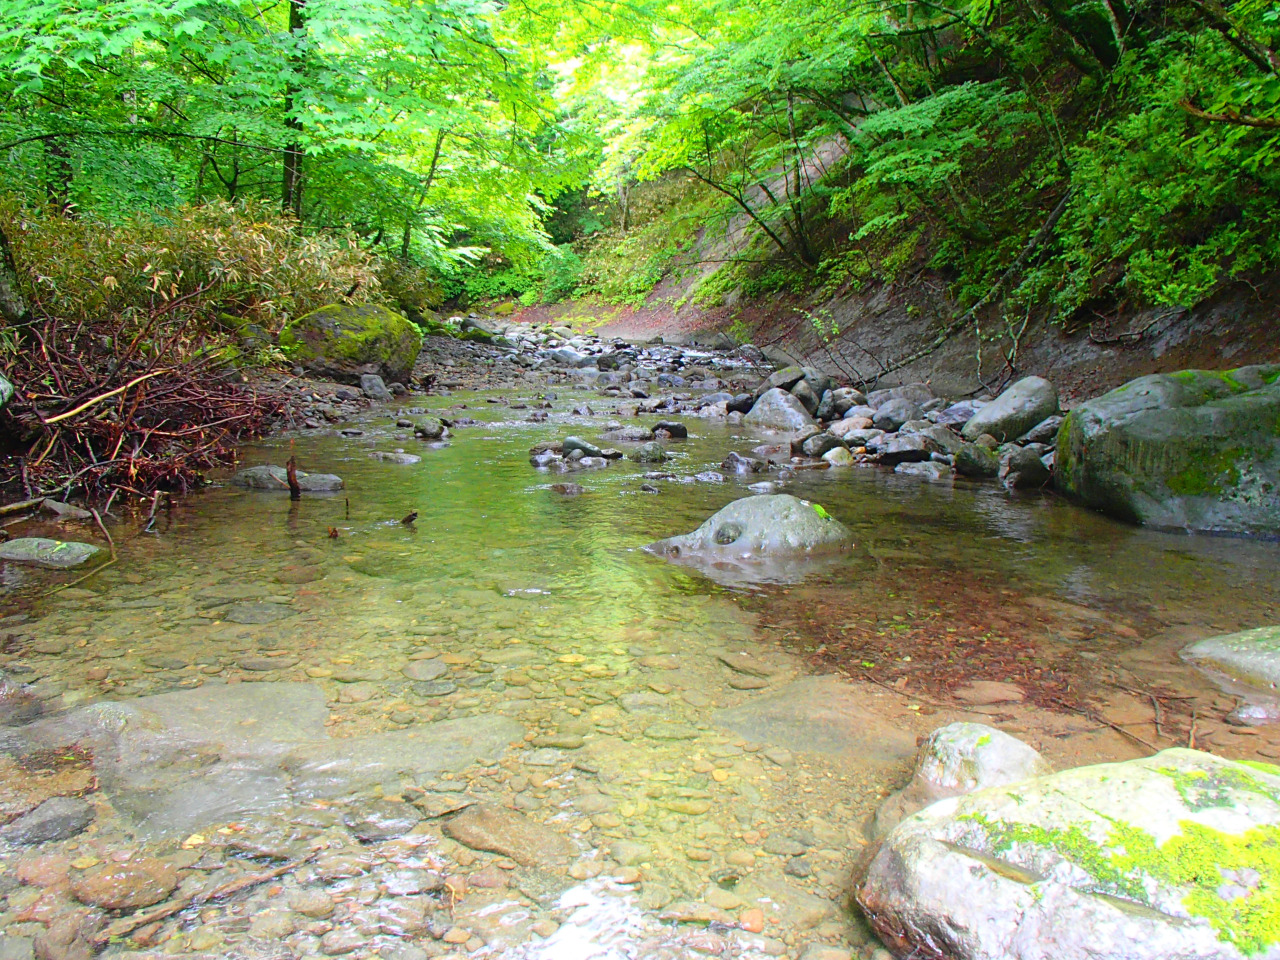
(126, 925)
(106, 396)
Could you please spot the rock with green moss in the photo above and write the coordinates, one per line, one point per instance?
(1194, 450)
(343, 342)
(44, 552)
(1172, 856)
(1251, 656)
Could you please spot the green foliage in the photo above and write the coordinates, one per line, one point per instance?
(214, 264)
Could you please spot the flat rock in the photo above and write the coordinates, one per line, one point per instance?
(425, 670)
(1251, 656)
(256, 613)
(986, 692)
(56, 819)
(273, 478)
(126, 886)
(821, 715)
(485, 826)
(58, 554)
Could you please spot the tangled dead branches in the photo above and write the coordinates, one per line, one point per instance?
(96, 413)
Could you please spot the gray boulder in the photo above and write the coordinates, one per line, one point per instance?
(371, 386)
(1152, 859)
(6, 391)
(269, 477)
(758, 529)
(917, 393)
(958, 759)
(807, 397)
(1194, 450)
(820, 444)
(1014, 412)
(569, 444)
(958, 414)
(430, 429)
(651, 452)
(1046, 431)
(1251, 656)
(894, 449)
(778, 410)
(1022, 468)
(926, 470)
(894, 412)
(783, 379)
(44, 552)
(56, 819)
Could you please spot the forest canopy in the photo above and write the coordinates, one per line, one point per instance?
(1065, 155)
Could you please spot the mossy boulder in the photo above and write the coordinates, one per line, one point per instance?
(344, 342)
(1193, 450)
(1174, 855)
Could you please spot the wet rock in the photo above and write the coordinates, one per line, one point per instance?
(780, 411)
(664, 730)
(955, 760)
(820, 444)
(743, 662)
(977, 461)
(783, 379)
(485, 826)
(1021, 468)
(371, 386)
(382, 821)
(628, 434)
(430, 429)
(1046, 431)
(741, 403)
(1146, 859)
(821, 715)
(1251, 656)
(16, 948)
(839, 457)
(271, 925)
(569, 444)
(926, 470)
(737, 463)
(273, 478)
(671, 429)
(1022, 406)
(126, 886)
(58, 554)
(759, 526)
(648, 453)
(56, 819)
(1193, 450)
(404, 459)
(893, 413)
(568, 489)
(257, 613)
(425, 670)
(64, 511)
(895, 449)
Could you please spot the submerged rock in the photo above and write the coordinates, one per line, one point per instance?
(1194, 450)
(1251, 656)
(485, 826)
(269, 477)
(44, 552)
(958, 759)
(1022, 406)
(56, 819)
(1168, 856)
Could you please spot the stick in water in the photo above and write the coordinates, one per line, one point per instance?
(295, 491)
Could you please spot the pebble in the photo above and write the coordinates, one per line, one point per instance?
(340, 941)
(315, 904)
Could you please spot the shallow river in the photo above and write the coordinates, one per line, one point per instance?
(319, 663)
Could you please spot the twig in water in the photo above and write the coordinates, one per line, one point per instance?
(105, 532)
(1191, 734)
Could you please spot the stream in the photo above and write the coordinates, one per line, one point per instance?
(505, 730)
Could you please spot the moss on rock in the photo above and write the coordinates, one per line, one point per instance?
(343, 341)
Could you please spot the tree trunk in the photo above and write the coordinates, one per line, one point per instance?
(291, 181)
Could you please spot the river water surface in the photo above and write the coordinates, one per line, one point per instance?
(516, 646)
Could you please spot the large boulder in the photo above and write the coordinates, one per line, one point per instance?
(1251, 656)
(344, 342)
(756, 533)
(958, 759)
(1194, 450)
(1025, 404)
(778, 410)
(44, 552)
(1170, 856)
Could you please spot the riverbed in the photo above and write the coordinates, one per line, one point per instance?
(505, 730)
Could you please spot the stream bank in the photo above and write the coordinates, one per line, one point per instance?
(505, 730)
